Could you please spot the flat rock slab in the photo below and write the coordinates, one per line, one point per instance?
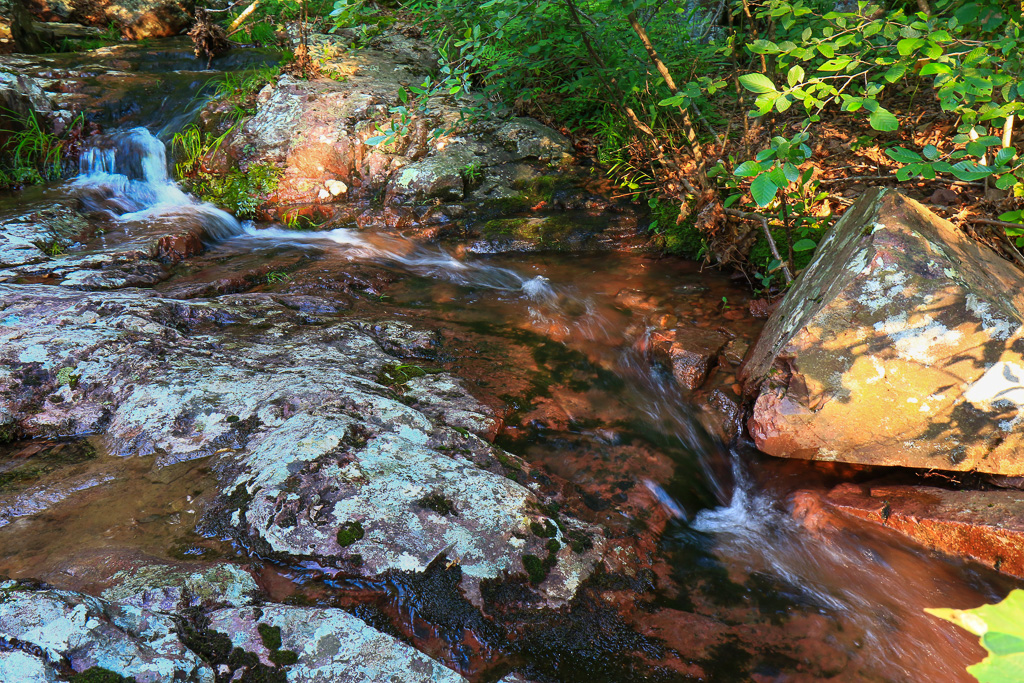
(318, 457)
(985, 526)
(329, 645)
(901, 344)
(53, 629)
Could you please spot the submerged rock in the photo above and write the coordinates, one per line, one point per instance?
(901, 344)
(690, 352)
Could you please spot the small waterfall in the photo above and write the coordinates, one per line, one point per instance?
(425, 261)
(124, 175)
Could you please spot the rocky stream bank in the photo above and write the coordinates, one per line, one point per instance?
(452, 434)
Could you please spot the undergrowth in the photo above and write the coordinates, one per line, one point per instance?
(240, 192)
(32, 153)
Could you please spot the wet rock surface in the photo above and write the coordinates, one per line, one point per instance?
(900, 345)
(318, 448)
(984, 526)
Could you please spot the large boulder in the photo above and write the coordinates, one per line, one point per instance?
(325, 136)
(901, 344)
(134, 19)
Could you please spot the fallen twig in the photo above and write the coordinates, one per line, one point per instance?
(1012, 248)
(990, 221)
(746, 215)
(852, 178)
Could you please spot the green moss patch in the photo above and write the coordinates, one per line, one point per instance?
(349, 533)
(439, 503)
(270, 635)
(97, 674)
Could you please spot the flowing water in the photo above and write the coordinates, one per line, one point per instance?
(561, 347)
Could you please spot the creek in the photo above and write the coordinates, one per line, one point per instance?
(560, 347)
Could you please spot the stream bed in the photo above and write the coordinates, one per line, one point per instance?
(716, 580)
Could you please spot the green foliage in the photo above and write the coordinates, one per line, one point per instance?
(1001, 629)
(277, 277)
(583, 63)
(966, 54)
(239, 88)
(240, 192)
(30, 153)
(67, 376)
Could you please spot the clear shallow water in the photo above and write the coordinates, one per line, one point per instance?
(561, 347)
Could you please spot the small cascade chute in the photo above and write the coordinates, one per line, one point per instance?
(124, 175)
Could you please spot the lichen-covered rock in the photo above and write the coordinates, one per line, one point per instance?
(38, 234)
(50, 627)
(324, 134)
(318, 455)
(326, 645)
(901, 344)
(528, 138)
(165, 588)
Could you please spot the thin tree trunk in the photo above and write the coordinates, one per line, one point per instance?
(688, 127)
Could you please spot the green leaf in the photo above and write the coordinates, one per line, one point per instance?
(907, 172)
(804, 245)
(1005, 182)
(792, 172)
(827, 50)
(1001, 628)
(884, 120)
(747, 169)
(895, 73)
(976, 149)
(934, 68)
(969, 172)
(931, 152)
(757, 83)
(837, 64)
(795, 75)
(1004, 155)
(907, 45)
(679, 99)
(376, 140)
(778, 177)
(763, 190)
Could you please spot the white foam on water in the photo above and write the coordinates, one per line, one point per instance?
(125, 175)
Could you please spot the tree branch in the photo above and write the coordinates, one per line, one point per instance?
(768, 236)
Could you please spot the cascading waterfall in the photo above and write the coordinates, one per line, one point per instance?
(124, 175)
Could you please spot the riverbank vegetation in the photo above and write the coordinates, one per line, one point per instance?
(747, 126)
